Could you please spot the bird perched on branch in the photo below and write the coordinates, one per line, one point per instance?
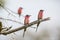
(40, 16)
(20, 11)
(26, 22)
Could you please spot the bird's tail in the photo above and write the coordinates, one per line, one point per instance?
(24, 32)
(37, 26)
(19, 16)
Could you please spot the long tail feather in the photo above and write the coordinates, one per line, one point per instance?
(37, 26)
(19, 16)
(24, 32)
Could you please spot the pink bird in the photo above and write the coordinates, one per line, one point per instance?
(26, 22)
(20, 11)
(40, 16)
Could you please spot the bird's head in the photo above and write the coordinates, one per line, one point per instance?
(20, 8)
(28, 16)
(41, 10)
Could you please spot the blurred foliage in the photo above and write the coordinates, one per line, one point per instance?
(0, 26)
(2, 2)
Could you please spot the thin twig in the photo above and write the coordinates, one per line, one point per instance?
(11, 20)
(13, 11)
(7, 10)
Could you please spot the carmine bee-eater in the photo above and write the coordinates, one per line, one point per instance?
(20, 11)
(0, 26)
(26, 22)
(40, 16)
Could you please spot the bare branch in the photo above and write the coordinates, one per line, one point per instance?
(22, 27)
